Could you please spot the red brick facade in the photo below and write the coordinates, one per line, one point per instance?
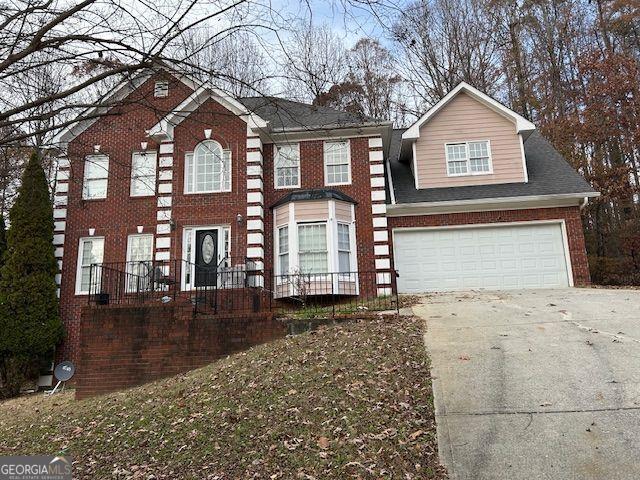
(126, 346)
(571, 216)
(120, 215)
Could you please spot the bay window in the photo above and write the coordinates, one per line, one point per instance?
(208, 169)
(468, 158)
(143, 174)
(90, 251)
(337, 163)
(287, 166)
(96, 176)
(312, 248)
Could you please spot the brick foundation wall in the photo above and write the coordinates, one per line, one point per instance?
(571, 216)
(124, 346)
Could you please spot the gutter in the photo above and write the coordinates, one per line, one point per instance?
(496, 203)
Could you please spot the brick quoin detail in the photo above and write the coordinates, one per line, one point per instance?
(124, 346)
(571, 216)
(119, 215)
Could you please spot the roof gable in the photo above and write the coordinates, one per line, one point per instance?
(165, 127)
(521, 123)
(119, 93)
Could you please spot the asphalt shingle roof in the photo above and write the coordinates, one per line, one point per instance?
(287, 114)
(549, 174)
(313, 194)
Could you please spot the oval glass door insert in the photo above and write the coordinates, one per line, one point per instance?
(207, 248)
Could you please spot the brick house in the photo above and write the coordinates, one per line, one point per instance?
(183, 176)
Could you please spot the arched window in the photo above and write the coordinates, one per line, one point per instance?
(208, 169)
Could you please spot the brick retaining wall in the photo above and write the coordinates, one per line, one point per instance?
(124, 346)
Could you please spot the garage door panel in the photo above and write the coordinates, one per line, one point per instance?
(491, 257)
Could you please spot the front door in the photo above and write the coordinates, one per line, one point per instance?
(206, 258)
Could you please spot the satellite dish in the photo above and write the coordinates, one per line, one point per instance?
(64, 371)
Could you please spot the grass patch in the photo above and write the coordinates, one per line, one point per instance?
(347, 401)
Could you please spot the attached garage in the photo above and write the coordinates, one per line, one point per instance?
(492, 256)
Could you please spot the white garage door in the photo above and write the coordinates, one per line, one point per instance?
(491, 257)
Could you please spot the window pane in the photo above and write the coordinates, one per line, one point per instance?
(287, 165)
(479, 164)
(336, 160)
(478, 149)
(96, 172)
(283, 240)
(312, 243)
(208, 169)
(143, 174)
(456, 151)
(91, 253)
(284, 264)
(457, 167)
(344, 260)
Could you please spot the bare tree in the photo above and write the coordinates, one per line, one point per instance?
(445, 42)
(234, 63)
(83, 47)
(372, 87)
(315, 60)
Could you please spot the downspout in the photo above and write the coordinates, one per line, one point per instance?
(584, 203)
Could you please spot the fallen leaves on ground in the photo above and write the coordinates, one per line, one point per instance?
(346, 401)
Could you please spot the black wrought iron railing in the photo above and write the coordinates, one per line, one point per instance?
(237, 285)
(332, 294)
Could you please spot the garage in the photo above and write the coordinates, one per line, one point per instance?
(493, 256)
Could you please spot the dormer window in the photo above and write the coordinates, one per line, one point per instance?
(161, 88)
(468, 158)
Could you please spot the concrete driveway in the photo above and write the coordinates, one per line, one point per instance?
(540, 384)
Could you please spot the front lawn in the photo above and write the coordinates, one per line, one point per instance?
(347, 401)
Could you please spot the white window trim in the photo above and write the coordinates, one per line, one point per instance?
(190, 231)
(203, 192)
(332, 240)
(84, 177)
(161, 89)
(469, 172)
(324, 162)
(328, 242)
(277, 249)
(129, 263)
(155, 179)
(275, 167)
(79, 290)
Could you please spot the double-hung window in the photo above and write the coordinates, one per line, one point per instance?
(283, 250)
(312, 248)
(344, 248)
(139, 262)
(208, 169)
(91, 251)
(337, 163)
(287, 166)
(143, 174)
(96, 174)
(468, 158)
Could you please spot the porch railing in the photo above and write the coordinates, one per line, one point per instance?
(310, 295)
(164, 281)
(235, 285)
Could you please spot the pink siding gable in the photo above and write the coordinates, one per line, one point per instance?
(466, 119)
